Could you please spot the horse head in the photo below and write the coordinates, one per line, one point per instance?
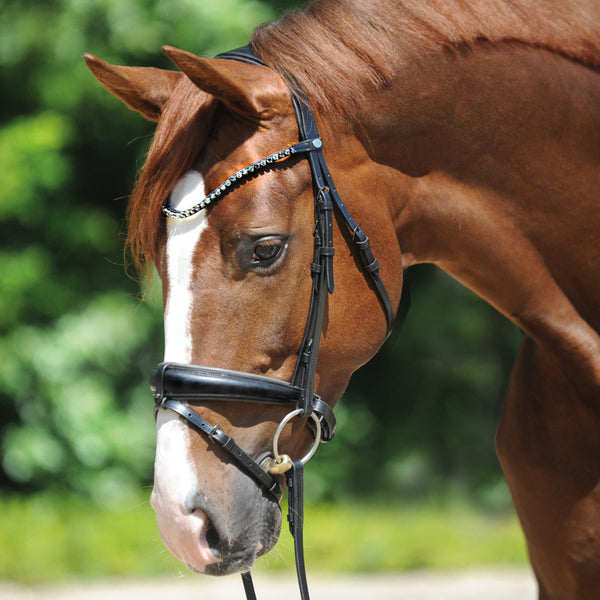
(237, 279)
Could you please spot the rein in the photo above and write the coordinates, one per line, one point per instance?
(174, 386)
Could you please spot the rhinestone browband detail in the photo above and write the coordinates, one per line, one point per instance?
(240, 175)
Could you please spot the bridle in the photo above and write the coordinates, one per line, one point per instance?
(176, 385)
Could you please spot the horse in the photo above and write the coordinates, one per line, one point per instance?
(460, 133)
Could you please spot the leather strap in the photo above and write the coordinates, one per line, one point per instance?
(295, 482)
(218, 436)
(194, 384)
(248, 586)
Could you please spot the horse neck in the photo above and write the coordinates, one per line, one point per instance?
(499, 183)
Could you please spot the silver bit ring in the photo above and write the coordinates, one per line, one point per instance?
(278, 457)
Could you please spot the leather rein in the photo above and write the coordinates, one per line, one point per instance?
(175, 386)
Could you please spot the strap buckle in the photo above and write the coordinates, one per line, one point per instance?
(215, 433)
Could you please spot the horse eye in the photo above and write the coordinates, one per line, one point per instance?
(267, 251)
(256, 253)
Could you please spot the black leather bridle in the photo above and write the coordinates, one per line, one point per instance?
(175, 386)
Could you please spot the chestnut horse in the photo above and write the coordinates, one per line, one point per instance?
(460, 133)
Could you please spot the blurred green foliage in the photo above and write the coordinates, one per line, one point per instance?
(76, 343)
(62, 538)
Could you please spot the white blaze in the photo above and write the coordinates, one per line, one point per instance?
(174, 475)
(182, 238)
(183, 533)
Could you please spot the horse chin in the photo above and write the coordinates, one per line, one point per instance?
(238, 553)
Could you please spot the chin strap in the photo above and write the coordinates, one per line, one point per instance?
(295, 483)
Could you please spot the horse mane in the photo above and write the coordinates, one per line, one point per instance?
(337, 48)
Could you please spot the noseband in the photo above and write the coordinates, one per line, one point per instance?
(175, 386)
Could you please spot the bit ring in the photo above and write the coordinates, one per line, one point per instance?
(278, 457)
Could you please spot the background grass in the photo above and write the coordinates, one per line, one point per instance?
(51, 538)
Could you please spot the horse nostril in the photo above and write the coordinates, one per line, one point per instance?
(213, 540)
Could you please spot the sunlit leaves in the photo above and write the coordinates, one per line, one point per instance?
(33, 160)
(80, 393)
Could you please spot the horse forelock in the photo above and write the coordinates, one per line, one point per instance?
(179, 138)
(338, 48)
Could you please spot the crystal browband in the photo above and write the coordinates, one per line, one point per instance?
(246, 172)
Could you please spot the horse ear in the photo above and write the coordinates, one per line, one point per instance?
(144, 89)
(253, 91)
